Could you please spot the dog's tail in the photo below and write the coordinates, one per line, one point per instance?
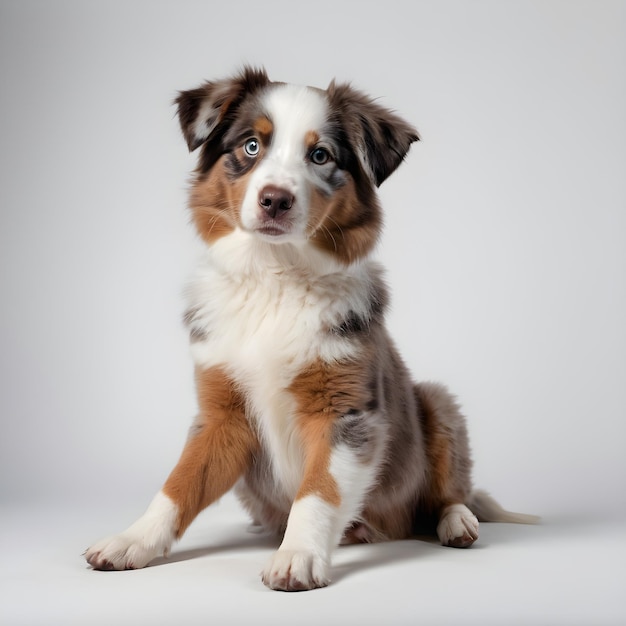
(486, 509)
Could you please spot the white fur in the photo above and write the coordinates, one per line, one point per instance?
(315, 526)
(354, 479)
(279, 313)
(150, 536)
(303, 559)
(458, 526)
(201, 130)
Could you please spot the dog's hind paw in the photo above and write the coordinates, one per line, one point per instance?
(458, 526)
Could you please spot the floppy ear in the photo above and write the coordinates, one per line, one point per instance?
(380, 137)
(204, 110)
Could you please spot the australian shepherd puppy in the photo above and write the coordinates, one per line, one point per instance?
(305, 406)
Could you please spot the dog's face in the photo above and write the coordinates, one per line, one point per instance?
(290, 164)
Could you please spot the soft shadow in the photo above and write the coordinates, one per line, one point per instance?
(248, 541)
(362, 556)
(376, 555)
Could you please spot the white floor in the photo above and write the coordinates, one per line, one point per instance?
(560, 572)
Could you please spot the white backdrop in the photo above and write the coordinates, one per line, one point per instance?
(505, 238)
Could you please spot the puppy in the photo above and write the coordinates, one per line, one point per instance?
(305, 406)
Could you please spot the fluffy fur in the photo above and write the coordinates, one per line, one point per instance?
(305, 406)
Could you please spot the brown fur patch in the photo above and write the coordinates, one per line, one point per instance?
(394, 523)
(220, 448)
(446, 448)
(215, 202)
(438, 451)
(344, 224)
(264, 128)
(311, 139)
(316, 439)
(324, 392)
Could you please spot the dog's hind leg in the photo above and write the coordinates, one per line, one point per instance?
(219, 448)
(449, 466)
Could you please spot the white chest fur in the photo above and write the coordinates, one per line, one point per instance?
(263, 313)
(252, 305)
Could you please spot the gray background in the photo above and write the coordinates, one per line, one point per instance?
(504, 240)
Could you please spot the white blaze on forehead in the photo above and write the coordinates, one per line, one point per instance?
(294, 111)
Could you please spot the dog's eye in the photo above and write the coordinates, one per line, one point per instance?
(319, 156)
(252, 147)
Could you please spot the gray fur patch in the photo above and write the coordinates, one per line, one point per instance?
(351, 325)
(357, 430)
(354, 324)
(196, 333)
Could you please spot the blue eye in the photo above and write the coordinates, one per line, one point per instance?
(252, 147)
(319, 156)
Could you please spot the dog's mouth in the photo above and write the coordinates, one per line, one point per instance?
(273, 229)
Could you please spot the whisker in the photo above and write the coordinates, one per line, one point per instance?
(337, 225)
(325, 228)
(214, 220)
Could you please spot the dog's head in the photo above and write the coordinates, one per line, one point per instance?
(290, 164)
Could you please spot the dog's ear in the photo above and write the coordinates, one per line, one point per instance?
(204, 110)
(381, 138)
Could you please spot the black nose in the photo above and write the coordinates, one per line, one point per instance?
(275, 201)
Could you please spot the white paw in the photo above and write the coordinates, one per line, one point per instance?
(150, 536)
(291, 570)
(123, 551)
(458, 527)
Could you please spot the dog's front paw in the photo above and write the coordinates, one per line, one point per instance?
(458, 527)
(124, 551)
(291, 570)
(150, 536)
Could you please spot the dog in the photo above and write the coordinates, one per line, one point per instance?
(306, 408)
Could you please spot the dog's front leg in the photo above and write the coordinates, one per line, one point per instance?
(336, 479)
(219, 448)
